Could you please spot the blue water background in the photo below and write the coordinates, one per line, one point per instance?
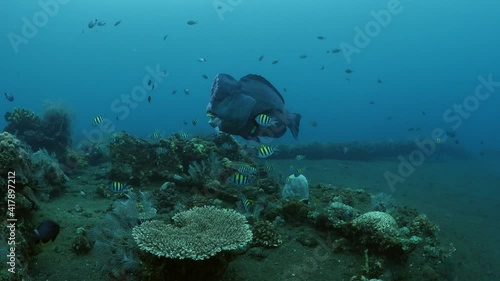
(428, 57)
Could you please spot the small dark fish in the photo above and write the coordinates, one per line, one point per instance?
(321, 37)
(186, 92)
(482, 142)
(322, 67)
(195, 121)
(336, 51)
(46, 231)
(118, 22)
(9, 97)
(174, 92)
(451, 134)
(219, 7)
(165, 37)
(92, 23)
(204, 76)
(410, 129)
(149, 99)
(303, 56)
(261, 58)
(379, 81)
(185, 122)
(101, 23)
(83, 31)
(313, 123)
(348, 71)
(423, 112)
(284, 90)
(457, 142)
(389, 118)
(275, 62)
(153, 87)
(192, 22)
(149, 83)
(372, 102)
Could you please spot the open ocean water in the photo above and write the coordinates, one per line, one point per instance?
(107, 128)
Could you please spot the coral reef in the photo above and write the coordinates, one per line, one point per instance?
(14, 158)
(113, 236)
(56, 120)
(197, 234)
(265, 234)
(26, 125)
(341, 214)
(49, 176)
(81, 243)
(16, 167)
(293, 211)
(51, 132)
(203, 171)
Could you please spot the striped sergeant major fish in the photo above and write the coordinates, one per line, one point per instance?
(117, 186)
(240, 179)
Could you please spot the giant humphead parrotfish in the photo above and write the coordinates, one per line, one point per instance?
(235, 104)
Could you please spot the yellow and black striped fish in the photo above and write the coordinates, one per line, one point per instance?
(266, 151)
(155, 136)
(246, 169)
(265, 120)
(247, 203)
(239, 179)
(117, 186)
(183, 136)
(97, 120)
(269, 168)
(298, 172)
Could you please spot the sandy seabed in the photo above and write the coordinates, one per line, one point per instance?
(463, 197)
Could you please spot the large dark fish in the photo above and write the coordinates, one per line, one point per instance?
(234, 105)
(46, 231)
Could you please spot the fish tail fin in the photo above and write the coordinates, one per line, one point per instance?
(294, 123)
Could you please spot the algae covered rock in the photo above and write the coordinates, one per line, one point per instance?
(377, 229)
